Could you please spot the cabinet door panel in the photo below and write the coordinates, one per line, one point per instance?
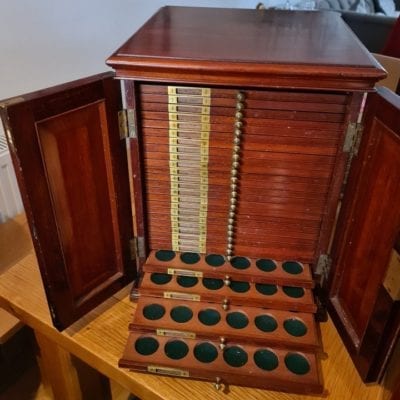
(367, 229)
(72, 166)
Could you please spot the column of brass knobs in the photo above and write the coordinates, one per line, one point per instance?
(234, 173)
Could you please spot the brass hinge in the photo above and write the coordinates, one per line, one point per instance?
(136, 245)
(126, 121)
(323, 267)
(353, 138)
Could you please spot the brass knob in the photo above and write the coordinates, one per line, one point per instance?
(222, 343)
(238, 132)
(227, 280)
(238, 115)
(225, 305)
(236, 140)
(217, 385)
(239, 106)
(238, 124)
(240, 96)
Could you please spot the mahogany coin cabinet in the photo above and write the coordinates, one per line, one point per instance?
(251, 181)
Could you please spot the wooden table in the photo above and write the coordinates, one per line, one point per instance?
(98, 340)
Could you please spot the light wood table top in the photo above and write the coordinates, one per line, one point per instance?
(99, 338)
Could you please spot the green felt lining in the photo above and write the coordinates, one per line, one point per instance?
(181, 314)
(165, 255)
(187, 281)
(215, 260)
(205, 352)
(266, 359)
(265, 323)
(153, 311)
(266, 289)
(146, 345)
(297, 363)
(237, 320)
(292, 291)
(266, 265)
(295, 327)
(209, 317)
(235, 356)
(190, 258)
(240, 287)
(240, 263)
(212, 284)
(160, 279)
(176, 349)
(292, 267)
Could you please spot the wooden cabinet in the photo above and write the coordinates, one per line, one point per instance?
(239, 180)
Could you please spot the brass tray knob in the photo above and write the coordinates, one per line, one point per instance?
(225, 304)
(222, 343)
(218, 383)
(227, 282)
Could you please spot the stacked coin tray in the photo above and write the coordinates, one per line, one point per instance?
(241, 321)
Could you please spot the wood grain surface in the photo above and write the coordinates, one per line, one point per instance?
(100, 337)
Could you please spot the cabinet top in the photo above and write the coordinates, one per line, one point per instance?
(262, 44)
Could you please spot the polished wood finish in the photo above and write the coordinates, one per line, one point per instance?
(280, 378)
(70, 163)
(367, 230)
(249, 274)
(278, 337)
(252, 295)
(246, 157)
(194, 47)
(99, 339)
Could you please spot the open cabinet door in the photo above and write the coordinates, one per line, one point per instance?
(364, 279)
(73, 175)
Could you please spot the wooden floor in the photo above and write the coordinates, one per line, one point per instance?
(340, 377)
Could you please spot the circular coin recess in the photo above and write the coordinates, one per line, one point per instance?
(266, 289)
(295, 327)
(153, 311)
(176, 349)
(292, 291)
(239, 287)
(205, 352)
(215, 260)
(160, 279)
(237, 320)
(266, 359)
(240, 263)
(146, 345)
(209, 317)
(266, 265)
(235, 356)
(292, 267)
(187, 281)
(297, 363)
(265, 323)
(212, 284)
(190, 258)
(165, 255)
(181, 314)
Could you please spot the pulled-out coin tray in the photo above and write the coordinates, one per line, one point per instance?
(244, 321)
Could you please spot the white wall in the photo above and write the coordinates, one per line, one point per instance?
(46, 42)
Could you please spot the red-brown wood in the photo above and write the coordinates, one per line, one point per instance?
(249, 374)
(70, 163)
(194, 47)
(367, 229)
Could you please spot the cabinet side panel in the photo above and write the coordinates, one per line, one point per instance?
(360, 304)
(74, 153)
(72, 171)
